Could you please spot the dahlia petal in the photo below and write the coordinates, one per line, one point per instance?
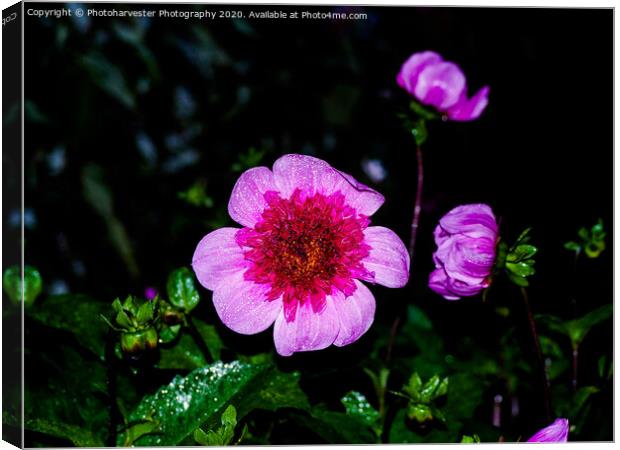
(388, 258)
(356, 313)
(311, 175)
(217, 257)
(437, 281)
(556, 432)
(408, 75)
(440, 235)
(440, 85)
(365, 200)
(308, 331)
(468, 259)
(242, 305)
(247, 200)
(470, 109)
(475, 220)
(465, 289)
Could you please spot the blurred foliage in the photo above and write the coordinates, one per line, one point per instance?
(591, 242)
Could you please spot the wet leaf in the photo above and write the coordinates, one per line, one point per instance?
(197, 399)
(357, 406)
(521, 269)
(182, 291)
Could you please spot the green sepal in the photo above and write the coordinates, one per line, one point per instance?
(419, 412)
(139, 341)
(146, 312)
(419, 131)
(422, 112)
(123, 320)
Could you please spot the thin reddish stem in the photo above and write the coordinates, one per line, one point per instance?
(539, 356)
(417, 208)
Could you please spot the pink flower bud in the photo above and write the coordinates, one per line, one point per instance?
(466, 238)
(441, 84)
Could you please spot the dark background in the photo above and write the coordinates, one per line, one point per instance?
(152, 106)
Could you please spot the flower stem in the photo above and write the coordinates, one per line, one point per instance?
(193, 331)
(417, 208)
(388, 355)
(574, 304)
(530, 318)
(575, 361)
(114, 414)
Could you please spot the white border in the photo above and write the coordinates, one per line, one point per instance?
(580, 59)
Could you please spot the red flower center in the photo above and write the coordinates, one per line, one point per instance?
(306, 248)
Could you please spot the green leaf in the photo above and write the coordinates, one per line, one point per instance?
(579, 328)
(558, 363)
(520, 269)
(518, 280)
(251, 158)
(357, 406)
(336, 427)
(572, 246)
(12, 284)
(78, 314)
(521, 252)
(401, 432)
(138, 429)
(67, 398)
(224, 434)
(470, 439)
(196, 195)
(523, 238)
(182, 291)
(80, 437)
(186, 355)
(168, 334)
(189, 402)
(108, 77)
(465, 394)
(581, 397)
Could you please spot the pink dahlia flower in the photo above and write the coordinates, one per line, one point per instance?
(556, 432)
(466, 238)
(441, 84)
(301, 255)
